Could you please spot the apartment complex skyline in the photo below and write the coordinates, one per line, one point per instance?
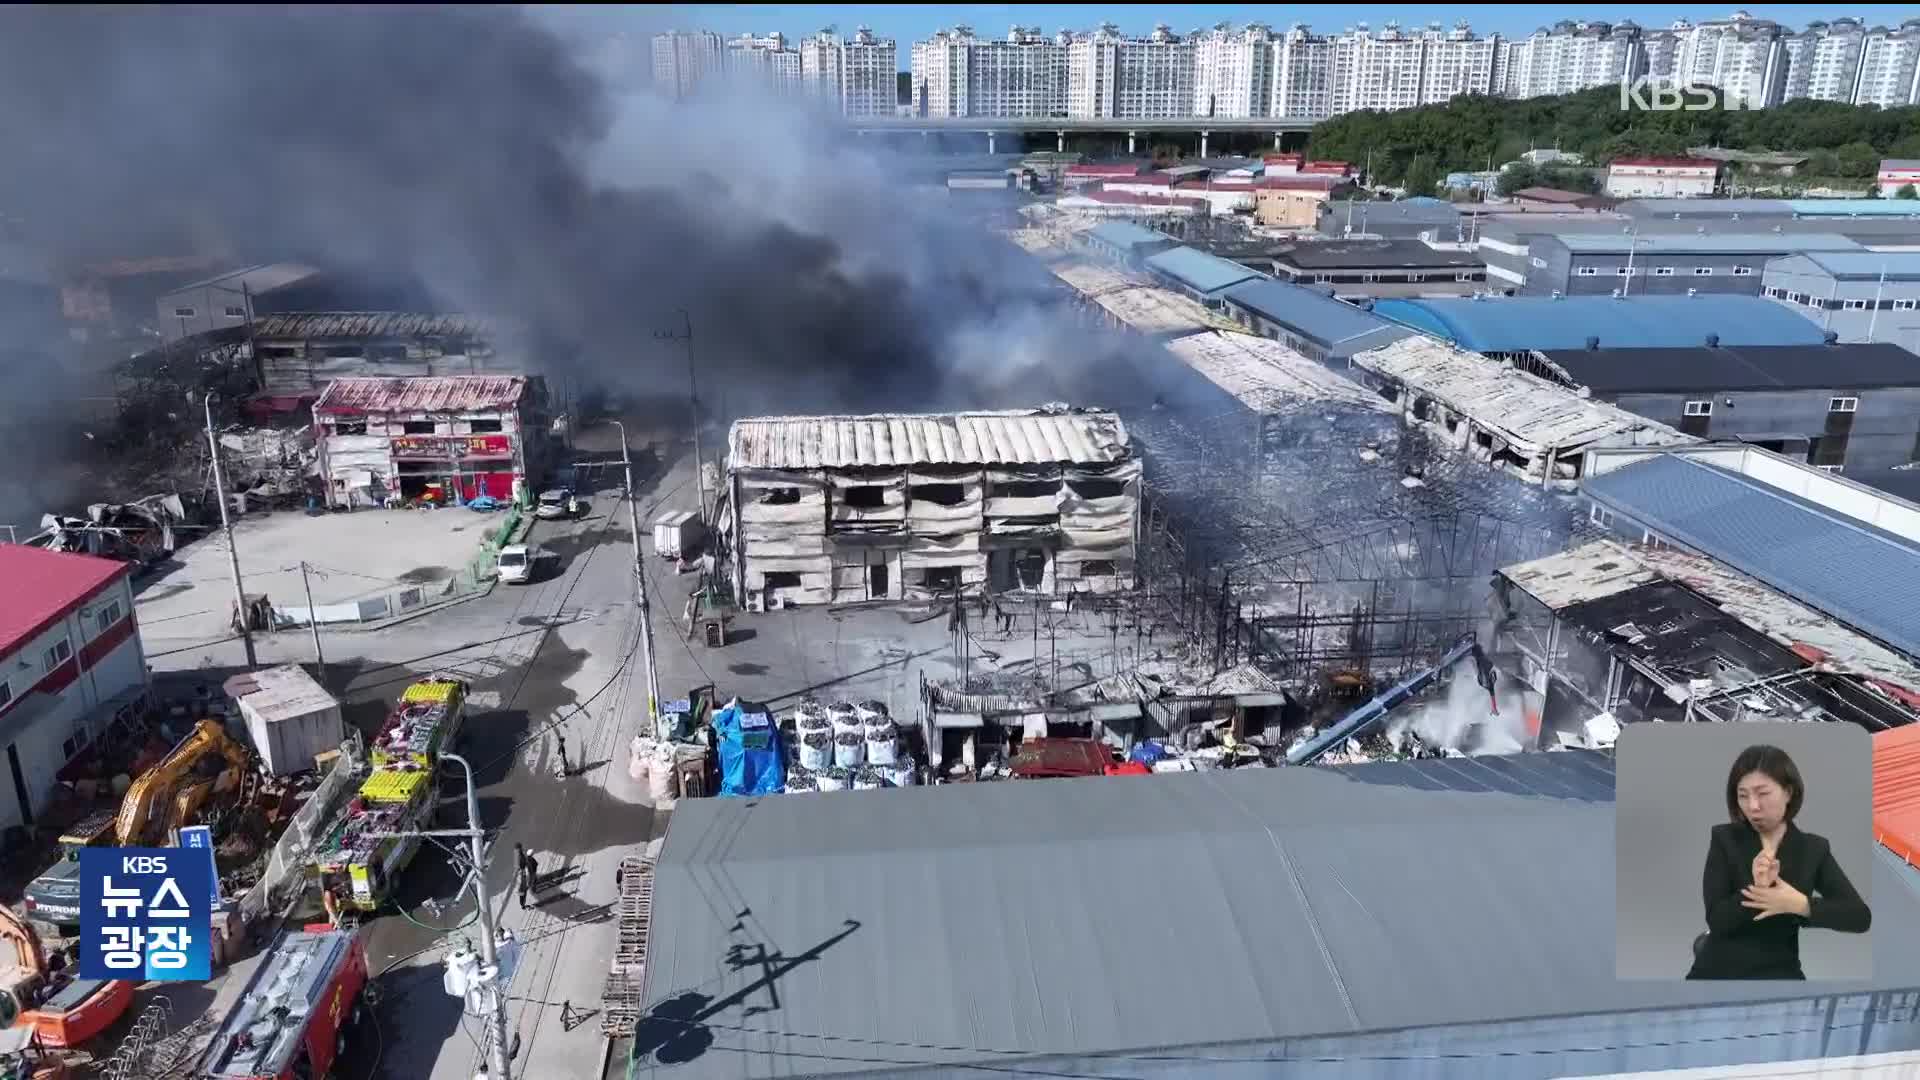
(1255, 71)
(857, 73)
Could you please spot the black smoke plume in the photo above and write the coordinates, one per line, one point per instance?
(479, 151)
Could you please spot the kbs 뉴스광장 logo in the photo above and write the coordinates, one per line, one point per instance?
(146, 913)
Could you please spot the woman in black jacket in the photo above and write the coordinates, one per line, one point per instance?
(1765, 879)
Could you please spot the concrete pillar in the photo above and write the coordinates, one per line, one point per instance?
(1203, 142)
(1276, 140)
(1060, 145)
(1130, 136)
(989, 142)
(924, 135)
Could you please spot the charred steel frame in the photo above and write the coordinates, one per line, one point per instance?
(1358, 586)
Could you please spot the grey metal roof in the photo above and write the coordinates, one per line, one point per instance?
(1313, 314)
(1126, 235)
(1856, 365)
(1866, 577)
(1114, 919)
(1020, 437)
(1868, 265)
(1198, 270)
(1708, 243)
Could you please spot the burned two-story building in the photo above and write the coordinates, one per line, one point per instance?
(457, 436)
(823, 509)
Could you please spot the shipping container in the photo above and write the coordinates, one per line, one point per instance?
(290, 717)
(677, 535)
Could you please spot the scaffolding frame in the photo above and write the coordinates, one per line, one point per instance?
(1267, 537)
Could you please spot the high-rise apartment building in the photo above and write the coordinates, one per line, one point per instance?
(820, 65)
(1662, 50)
(1303, 64)
(1377, 71)
(682, 60)
(766, 60)
(1233, 71)
(1823, 61)
(1745, 57)
(1021, 75)
(1455, 62)
(1888, 70)
(1570, 57)
(869, 75)
(1129, 78)
(857, 74)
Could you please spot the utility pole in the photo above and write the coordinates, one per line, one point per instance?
(693, 400)
(233, 551)
(313, 623)
(498, 1064)
(640, 586)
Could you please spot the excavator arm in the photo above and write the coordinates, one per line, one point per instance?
(155, 800)
(1361, 720)
(27, 952)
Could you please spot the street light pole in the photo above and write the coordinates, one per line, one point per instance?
(489, 957)
(640, 586)
(233, 551)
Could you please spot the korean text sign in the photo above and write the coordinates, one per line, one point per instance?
(145, 913)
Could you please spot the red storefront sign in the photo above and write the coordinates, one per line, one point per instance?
(442, 448)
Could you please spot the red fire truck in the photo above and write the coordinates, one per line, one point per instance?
(293, 1019)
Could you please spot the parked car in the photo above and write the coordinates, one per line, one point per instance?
(557, 503)
(516, 562)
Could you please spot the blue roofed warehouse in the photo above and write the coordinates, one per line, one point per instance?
(1520, 324)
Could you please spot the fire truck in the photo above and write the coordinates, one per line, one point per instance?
(293, 1020)
(364, 852)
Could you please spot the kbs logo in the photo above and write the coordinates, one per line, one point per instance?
(1650, 94)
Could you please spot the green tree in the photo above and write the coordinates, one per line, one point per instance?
(1906, 191)
(1858, 159)
(1422, 176)
(1516, 177)
(1823, 163)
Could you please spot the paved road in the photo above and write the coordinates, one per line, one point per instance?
(545, 660)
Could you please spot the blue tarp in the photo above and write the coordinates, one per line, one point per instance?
(751, 762)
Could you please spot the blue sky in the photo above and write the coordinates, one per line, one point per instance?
(908, 22)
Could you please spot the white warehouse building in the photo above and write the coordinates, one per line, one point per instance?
(832, 509)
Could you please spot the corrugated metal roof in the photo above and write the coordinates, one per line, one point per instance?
(1723, 243)
(1266, 376)
(41, 586)
(437, 393)
(1033, 437)
(1198, 270)
(1868, 265)
(1896, 791)
(1855, 365)
(1117, 919)
(1855, 207)
(370, 324)
(1527, 411)
(1521, 323)
(1313, 314)
(1866, 577)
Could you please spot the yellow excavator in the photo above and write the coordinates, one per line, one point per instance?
(207, 765)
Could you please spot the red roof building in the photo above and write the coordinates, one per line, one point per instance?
(69, 652)
(443, 438)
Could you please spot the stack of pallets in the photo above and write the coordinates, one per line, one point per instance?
(633, 912)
